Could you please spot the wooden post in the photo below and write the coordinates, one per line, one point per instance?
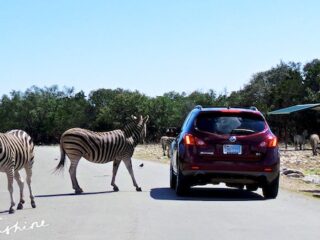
(285, 133)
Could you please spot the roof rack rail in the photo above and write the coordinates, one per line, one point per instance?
(198, 107)
(253, 108)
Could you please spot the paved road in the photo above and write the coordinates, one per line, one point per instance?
(155, 213)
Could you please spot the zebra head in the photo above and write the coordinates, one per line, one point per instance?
(130, 126)
(144, 128)
(136, 128)
(140, 130)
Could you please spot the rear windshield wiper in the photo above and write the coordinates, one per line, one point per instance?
(242, 131)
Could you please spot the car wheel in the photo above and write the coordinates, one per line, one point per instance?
(173, 178)
(270, 191)
(181, 184)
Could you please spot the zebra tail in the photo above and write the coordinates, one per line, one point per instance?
(60, 166)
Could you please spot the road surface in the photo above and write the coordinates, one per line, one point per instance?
(154, 213)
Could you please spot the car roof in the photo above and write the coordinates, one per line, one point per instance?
(252, 110)
(226, 109)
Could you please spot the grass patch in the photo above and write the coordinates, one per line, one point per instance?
(313, 171)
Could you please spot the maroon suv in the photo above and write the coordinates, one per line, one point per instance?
(234, 146)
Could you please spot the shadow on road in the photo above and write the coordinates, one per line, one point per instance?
(310, 191)
(72, 194)
(2, 212)
(206, 194)
(294, 150)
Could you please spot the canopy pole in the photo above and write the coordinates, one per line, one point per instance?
(285, 133)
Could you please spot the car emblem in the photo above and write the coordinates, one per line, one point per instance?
(232, 139)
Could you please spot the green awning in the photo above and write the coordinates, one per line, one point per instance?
(296, 108)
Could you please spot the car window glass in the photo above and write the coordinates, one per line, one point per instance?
(227, 124)
(186, 121)
(238, 124)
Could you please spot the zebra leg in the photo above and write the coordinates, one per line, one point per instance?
(10, 188)
(128, 164)
(114, 174)
(164, 149)
(29, 175)
(21, 186)
(168, 151)
(73, 175)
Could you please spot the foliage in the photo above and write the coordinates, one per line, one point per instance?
(47, 112)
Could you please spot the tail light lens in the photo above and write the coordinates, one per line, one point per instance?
(270, 142)
(191, 140)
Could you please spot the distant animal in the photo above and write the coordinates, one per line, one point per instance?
(16, 152)
(314, 142)
(102, 147)
(165, 142)
(171, 132)
(300, 140)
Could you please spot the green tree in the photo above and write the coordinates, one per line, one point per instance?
(311, 72)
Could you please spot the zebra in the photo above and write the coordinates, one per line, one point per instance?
(16, 152)
(102, 147)
(314, 142)
(165, 143)
(300, 140)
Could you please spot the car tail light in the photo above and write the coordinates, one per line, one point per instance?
(195, 167)
(270, 142)
(268, 169)
(191, 140)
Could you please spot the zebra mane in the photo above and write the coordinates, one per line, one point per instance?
(136, 129)
(129, 127)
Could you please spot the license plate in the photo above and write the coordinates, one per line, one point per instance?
(232, 149)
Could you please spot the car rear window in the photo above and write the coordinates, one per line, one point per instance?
(243, 123)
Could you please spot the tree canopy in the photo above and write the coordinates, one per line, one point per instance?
(45, 113)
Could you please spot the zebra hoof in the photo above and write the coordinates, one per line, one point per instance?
(20, 206)
(11, 211)
(116, 189)
(33, 204)
(79, 191)
(138, 189)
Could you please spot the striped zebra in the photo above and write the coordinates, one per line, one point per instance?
(16, 152)
(102, 147)
(165, 142)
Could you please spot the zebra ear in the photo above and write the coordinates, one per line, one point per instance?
(133, 117)
(146, 119)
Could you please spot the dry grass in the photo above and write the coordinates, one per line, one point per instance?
(150, 152)
(303, 161)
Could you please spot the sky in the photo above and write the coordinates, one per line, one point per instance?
(153, 46)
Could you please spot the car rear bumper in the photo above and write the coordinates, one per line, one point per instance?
(241, 173)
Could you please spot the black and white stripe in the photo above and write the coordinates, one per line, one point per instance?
(16, 152)
(102, 147)
(165, 142)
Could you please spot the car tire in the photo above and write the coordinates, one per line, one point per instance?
(173, 178)
(252, 188)
(182, 186)
(270, 191)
